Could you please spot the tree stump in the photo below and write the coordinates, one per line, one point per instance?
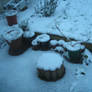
(50, 67)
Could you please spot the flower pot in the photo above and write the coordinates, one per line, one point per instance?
(48, 70)
(75, 53)
(11, 17)
(43, 41)
(15, 40)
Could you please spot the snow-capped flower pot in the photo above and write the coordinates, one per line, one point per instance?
(43, 41)
(15, 40)
(29, 36)
(50, 67)
(11, 17)
(53, 44)
(75, 52)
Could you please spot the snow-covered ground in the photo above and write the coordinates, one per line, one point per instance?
(18, 73)
(72, 16)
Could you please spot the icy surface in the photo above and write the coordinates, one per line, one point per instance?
(50, 61)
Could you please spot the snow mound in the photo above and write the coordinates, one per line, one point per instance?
(43, 38)
(59, 48)
(53, 42)
(28, 34)
(13, 33)
(50, 61)
(61, 42)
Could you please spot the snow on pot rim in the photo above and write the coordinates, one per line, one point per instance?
(43, 38)
(11, 13)
(53, 42)
(74, 46)
(13, 33)
(28, 34)
(50, 61)
(34, 42)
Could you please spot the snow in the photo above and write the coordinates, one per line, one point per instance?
(11, 13)
(43, 38)
(61, 42)
(74, 46)
(53, 42)
(47, 62)
(34, 42)
(59, 48)
(18, 74)
(13, 33)
(28, 34)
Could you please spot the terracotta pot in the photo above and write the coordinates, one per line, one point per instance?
(11, 17)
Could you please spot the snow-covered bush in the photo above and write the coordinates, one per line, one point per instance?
(46, 8)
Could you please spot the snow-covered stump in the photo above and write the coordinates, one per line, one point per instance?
(43, 41)
(29, 36)
(50, 67)
(11, 17)
(75, 52)
(15, 40)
